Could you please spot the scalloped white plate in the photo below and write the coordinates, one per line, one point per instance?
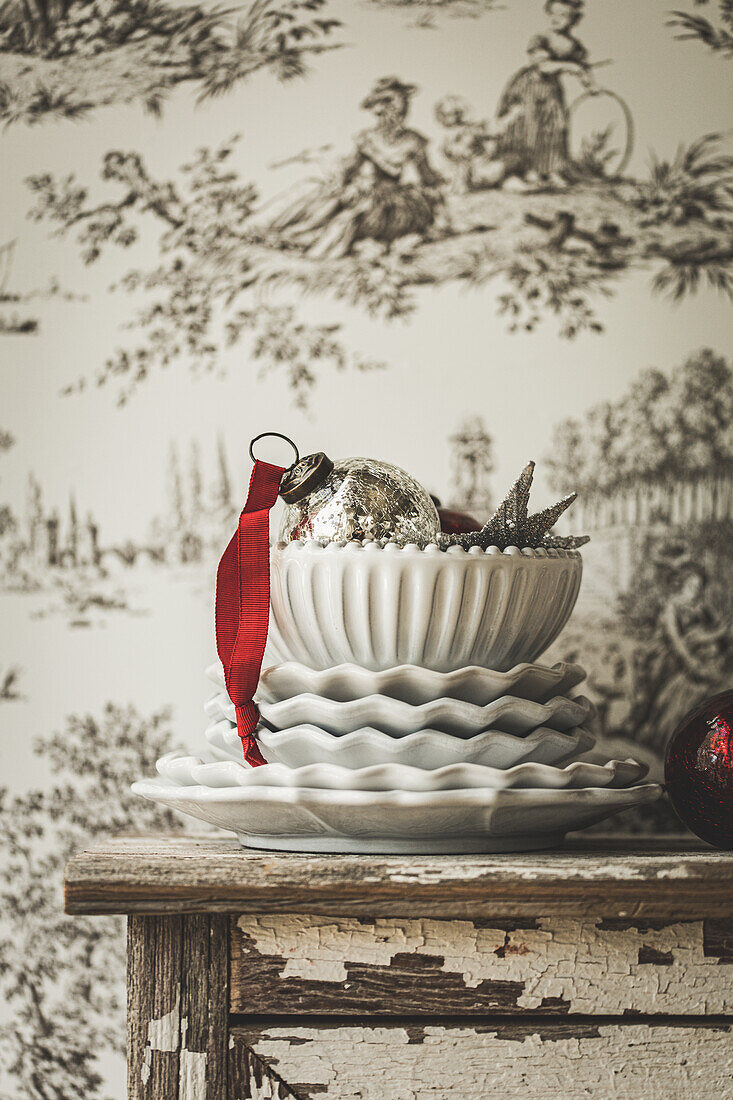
(302, 745)
(398, 718)
(412, 684)
(186, 770)
(307, 820)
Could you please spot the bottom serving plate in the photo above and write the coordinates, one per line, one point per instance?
(300, 819)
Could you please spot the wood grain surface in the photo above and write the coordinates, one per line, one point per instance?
(423, 967)
(177, 1008)
(595, 877)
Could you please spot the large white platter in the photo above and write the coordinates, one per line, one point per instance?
(306, 820)
(397, 718)
(185, 770)
(412, 684)
(302, 745)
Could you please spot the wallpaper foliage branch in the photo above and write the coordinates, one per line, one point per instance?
(218, 253)
(66, 49)
(717, 35)
(62, 979)
(212, 261)
(668, 428)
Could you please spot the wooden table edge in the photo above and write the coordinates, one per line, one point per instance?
(599, 877)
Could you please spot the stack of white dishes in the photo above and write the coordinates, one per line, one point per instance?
(406, 710)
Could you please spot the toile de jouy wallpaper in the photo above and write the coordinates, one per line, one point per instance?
(453, 234)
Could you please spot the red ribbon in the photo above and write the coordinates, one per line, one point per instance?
(243, 603)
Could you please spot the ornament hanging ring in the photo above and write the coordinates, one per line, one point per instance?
(277, 435)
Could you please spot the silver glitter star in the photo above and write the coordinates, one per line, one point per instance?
(511, 524)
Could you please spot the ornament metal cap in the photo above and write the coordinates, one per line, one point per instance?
(305, 476)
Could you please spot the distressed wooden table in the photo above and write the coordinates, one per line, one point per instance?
(602, 970)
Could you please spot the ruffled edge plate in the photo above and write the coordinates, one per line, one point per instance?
(188, 770)
(307, 744)
(392, 716)
(411, 683)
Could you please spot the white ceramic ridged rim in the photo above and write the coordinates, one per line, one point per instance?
(392, 716)
(518, 716)
(188, 770)
(382, 800)
(387, 544)
(383, 606)
(425, 749)
(412, 684)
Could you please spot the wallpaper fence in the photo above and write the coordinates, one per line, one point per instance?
(453, 234)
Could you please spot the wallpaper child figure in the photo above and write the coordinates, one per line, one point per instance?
(538, 131)
(386, 190)
(472, 148)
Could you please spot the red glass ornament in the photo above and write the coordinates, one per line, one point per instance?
(698, 770)
(457, 523)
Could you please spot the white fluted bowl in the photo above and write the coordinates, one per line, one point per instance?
(379, 607)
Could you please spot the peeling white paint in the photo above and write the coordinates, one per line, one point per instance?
(620, 1063)
(145, 1067)
(267, 1089)
(192, 1075)
(318, 948)
(168, 1033)
(163, 1034)
(618, 869)
(596, 970)
(426, 876)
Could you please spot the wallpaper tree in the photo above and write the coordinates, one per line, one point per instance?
(667, 429)
(9, 677)
(62, 979)
(662, 458)
(82, 54)
(6, 516)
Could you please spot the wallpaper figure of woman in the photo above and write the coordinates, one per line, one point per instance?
(686, 659)
(387, 189)
(534, 98)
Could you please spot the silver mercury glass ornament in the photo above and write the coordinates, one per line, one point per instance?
(355, 498)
